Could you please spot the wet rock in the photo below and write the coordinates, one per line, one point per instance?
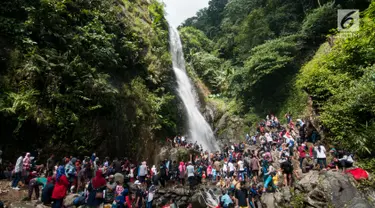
(181, 191)
(198, 201)
(162, 191)
(184, 198)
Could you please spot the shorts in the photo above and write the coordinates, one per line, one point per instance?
(142, 179)
(287, 171)
(255, 172)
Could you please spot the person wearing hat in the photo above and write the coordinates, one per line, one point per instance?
(307, 164)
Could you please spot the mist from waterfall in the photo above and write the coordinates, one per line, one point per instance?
(199, 129)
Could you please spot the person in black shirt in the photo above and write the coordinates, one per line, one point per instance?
(241, 197)
(287, 168)
(117, 165)
(139, 194)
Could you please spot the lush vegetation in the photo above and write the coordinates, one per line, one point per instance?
(341, 82)
(79, 75)
(271, 56)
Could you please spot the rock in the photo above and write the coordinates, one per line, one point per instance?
(184, 198)
(309, 181)
(20, 205)
(182, 204)
(162, 191)
(278, 197)
(331, 187)
(317, 198)
(286, 194)
(181, 191)
(268, 200)
(198, 201)
(41, 206)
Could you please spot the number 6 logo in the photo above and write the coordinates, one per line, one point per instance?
(348, 20)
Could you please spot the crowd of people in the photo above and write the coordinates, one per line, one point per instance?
(274, 156)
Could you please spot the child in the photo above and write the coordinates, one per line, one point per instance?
(119, 189)
(204, 178)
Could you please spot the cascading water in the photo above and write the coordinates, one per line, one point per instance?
(200, 131)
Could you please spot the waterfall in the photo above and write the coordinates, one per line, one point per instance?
(199, 130)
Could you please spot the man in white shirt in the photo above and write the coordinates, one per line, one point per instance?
(18, 173)
(191, 176)
(241, 169)
(150, 196)
(231, 169)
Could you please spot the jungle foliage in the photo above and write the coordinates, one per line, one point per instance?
(79, 75)
(269, 46)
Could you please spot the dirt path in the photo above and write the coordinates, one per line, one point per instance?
(8, 195)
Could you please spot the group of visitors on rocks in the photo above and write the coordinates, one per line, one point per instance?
(275, 155)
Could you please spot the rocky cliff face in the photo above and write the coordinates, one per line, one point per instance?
(325, 189)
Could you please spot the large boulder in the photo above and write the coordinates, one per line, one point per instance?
(269, 200)
(331, 188)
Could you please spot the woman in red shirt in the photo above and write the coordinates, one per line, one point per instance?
(61, 186)
(129, 199)
(302, 153)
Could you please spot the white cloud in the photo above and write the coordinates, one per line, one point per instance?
(180, 10)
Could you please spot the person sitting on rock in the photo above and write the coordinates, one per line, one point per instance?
(307, 164)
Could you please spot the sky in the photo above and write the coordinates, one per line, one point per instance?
(180, 10)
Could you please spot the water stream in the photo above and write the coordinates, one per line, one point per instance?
(199, 130)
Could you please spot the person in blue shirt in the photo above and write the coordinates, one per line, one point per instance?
(225, 200)
(253, 195)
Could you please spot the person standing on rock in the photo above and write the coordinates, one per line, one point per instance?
(181, 173)
(18, 173)
(241, 197)
(142, 172)
(150, 196)
(191, 177)
(255, 167)
(26, 166)
(50, 165)
(321, 155)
